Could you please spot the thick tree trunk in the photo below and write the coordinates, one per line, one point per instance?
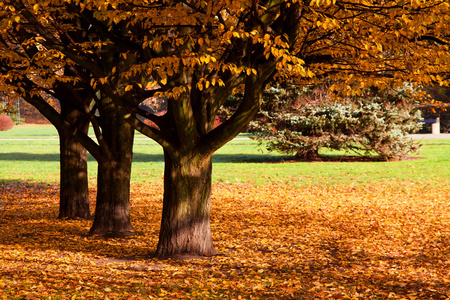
(185, 223)
(74, 190)
(112, 210)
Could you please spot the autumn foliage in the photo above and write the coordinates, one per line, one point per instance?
(102, 59)
(6, 122)
(375, 241)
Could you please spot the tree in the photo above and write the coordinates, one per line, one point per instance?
(74, 188)
(30, 73)
(201, 52)
(7, 105)
(303, 122)
(74, 192)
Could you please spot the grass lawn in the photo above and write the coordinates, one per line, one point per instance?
(294, 230)
(240, 160)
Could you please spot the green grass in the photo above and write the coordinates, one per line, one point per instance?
(30, 132)
(239, 161)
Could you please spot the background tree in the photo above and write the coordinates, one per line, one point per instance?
(31, 73)
(74, 192)
(7, 106)
(74, 189)
(302, 122)
(199, 53)
(7, 112)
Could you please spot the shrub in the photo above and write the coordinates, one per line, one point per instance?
(6, 123)
(304, 127)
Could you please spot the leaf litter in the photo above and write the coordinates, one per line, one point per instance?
(275, 242)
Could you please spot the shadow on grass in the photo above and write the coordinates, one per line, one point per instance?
(144, 157)
(217, 158)
(22, 156)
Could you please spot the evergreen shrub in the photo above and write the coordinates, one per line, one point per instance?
(303, 127)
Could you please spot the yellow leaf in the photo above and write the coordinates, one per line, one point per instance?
(379, 47)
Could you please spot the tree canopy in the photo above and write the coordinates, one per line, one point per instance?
(200, 48)
(197, 54)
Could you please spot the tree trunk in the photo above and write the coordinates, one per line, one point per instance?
(112, 210)
(185, 223)
(74, 190)
(310, 154)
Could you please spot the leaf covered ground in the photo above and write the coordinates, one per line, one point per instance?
(275, 242)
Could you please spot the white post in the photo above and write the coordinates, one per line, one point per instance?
(436, 127)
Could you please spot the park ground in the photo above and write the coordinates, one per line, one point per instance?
(283, 230)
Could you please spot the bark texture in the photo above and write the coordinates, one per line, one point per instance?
(185, 223)
(112, 210)
(74, 190)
